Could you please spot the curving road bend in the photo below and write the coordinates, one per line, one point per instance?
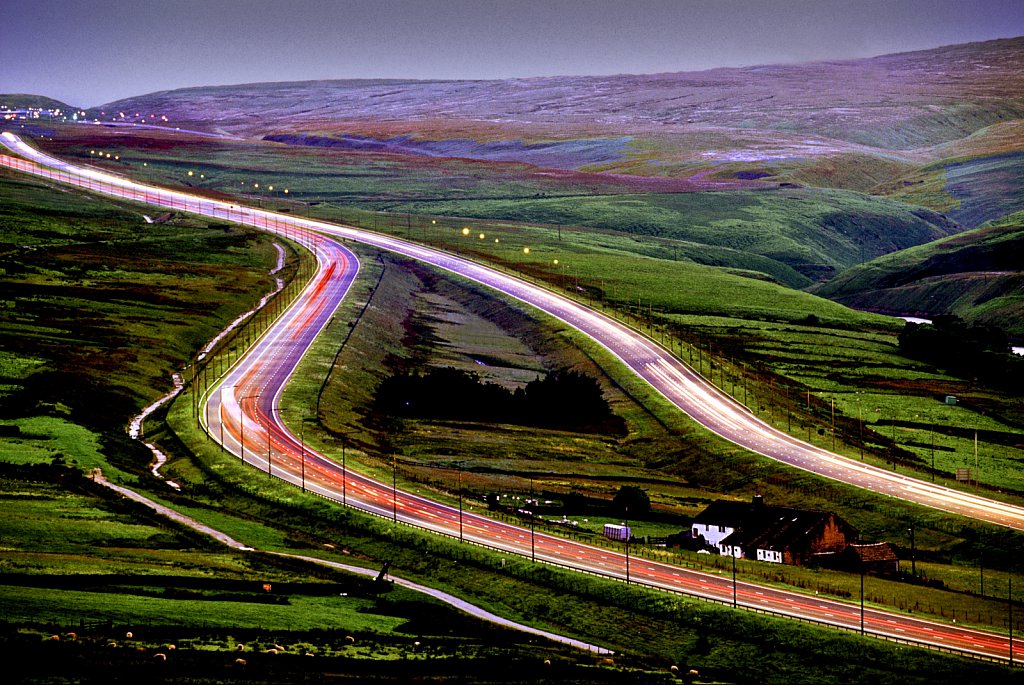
(241, 413)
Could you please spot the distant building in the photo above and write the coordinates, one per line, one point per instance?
(779, 535)
(877, 559)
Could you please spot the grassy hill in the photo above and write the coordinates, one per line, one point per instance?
(976, 179)
(24, 100)
(898, 101)
(779, 123)
(795, 236)
(814, 232)
(977, 275)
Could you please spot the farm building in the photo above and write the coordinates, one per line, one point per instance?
(878, 559)
(780, 535)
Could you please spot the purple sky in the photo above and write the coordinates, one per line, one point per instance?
(88, 52)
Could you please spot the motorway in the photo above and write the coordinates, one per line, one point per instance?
(241, 412)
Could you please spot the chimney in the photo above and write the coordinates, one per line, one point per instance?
(757, 503)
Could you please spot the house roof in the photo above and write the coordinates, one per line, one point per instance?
(724, 513)
(873, 553)
(759, 526)
(786, 528)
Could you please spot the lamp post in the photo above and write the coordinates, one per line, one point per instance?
(861, 596)
(460, 502)
(302, 452)
(981, 568)
(241, 417)
(860, 423)
(628, 536)
(533, 514)
(733, 555)
(833, 424)
(913, 560)
(220, 417)
(269, 424)
(394, 487)
(933, 452)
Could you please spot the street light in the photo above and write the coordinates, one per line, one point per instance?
(241, 414)
(344, 470)
(732, 549)
(861, 596)
(629, 535)
(302, 448)
(269, 423)
(833, 424)
(860, 421)
(913, 560)
(460, 502)
(533, 549)
(220, 417)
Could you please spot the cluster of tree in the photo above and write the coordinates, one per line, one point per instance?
(971, 350)
(630, 502)
(565, 400)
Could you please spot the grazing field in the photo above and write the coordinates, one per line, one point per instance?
(98, 297)
(813, 231)
(112, 582)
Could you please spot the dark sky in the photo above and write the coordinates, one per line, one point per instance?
(88, 52)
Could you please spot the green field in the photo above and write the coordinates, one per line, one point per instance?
(813, 231)
(97, 296)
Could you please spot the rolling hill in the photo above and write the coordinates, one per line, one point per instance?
(977, 275)
(816, 167)
(896, 102)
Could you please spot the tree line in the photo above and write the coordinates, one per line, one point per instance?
(562, 400)
(976, 351)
